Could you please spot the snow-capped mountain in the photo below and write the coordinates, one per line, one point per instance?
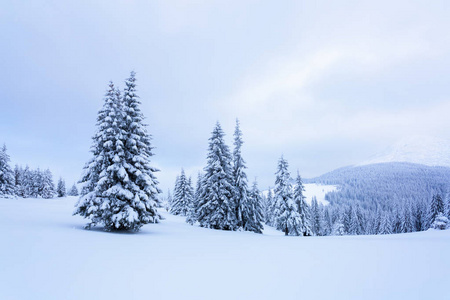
(425, 150)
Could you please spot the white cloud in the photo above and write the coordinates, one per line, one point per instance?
(278, 101)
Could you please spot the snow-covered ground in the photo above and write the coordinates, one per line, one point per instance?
(319, 191)
(46, 254)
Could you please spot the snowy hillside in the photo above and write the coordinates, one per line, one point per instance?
(46, 254)
(386, 182)
(424, 150)
(314, 190)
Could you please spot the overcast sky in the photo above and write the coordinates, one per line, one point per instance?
(325, 83)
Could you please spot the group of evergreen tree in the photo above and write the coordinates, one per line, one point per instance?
(119, 187)
(286, 208)
(26, 182)
(7, 186)
(183, 195)
(61, 189)
(353, 219)
(33, 183)
(222, 198)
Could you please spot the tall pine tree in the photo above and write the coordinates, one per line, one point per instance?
(315, 217)
(287, 218)
(302, 207)
(244, 207)
(217, 208)
(182, 196)
(192, 216)
(119, 186)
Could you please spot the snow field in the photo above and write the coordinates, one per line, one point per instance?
(46, 254)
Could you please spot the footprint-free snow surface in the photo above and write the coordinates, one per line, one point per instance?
(46, 254)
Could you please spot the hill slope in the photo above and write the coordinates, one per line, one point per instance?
(386, 182)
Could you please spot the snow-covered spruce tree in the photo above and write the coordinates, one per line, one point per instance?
(315, 217)
(119, 188)
(354, 226)
(27, 182)
(376, 222)
(61, 188)
(287, 218)
(73, 190)
(107, 150)
(48, 188)
(268, 215)
(419, 212)
(397, 220)
(243, 205)
(385, 225)
(194, 205)
(176, 187)
(302, 207)
(142, 183)
(37, 183)
(7, 188)
(441, 222)
(182, 196)
(217, 208)
(436, 207)
(18, 181)
(327, 225)
(254, 215)
(447, 207)
(338, 227)
(190, 213)
(408, 223)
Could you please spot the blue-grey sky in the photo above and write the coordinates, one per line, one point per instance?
(325, 83)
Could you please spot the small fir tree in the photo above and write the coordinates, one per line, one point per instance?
(385, 225)
(254, 219)
(436, 207)
(182, 196)
(193, 207)
(48, 188)
(315, 217)
(61, 188)
(441, 222)
(7, 188)
(73, 190)
(270, 208)
(19, 181)
(302, 207)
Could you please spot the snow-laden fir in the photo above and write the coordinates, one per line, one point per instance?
(119, 188)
